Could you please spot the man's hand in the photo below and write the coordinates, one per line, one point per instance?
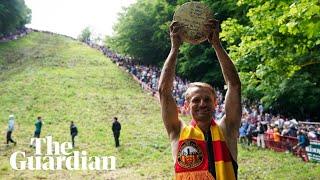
(175, 31)
(213, 26)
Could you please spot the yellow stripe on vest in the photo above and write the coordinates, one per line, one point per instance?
(197, 134)
(224, 170)
(216, 134)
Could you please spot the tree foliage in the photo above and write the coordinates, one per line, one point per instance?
(142, 31)
(85, 35)
(14, 14)
(278, 54)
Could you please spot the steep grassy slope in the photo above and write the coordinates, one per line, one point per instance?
(63, 80)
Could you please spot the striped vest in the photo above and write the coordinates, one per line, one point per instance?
(193, 157)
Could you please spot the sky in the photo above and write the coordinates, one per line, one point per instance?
(70, 17)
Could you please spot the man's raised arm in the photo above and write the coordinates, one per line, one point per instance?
(233, 95)
(168, 105)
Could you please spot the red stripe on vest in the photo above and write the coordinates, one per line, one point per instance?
(222, 153)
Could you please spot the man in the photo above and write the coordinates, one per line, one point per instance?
(37, 131)
(73, 132)
(318, 133)
(204, 149)
(38, 126)
(250, 133)
(303, 142)
(260, 135)
(116, 127)
(10, 130)
(243, 133)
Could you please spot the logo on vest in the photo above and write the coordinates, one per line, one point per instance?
(190, 155)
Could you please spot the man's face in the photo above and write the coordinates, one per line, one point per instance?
(201, 104)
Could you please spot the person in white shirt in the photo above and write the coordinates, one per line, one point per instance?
(10, 130)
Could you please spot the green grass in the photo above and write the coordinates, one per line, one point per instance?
(63, 80)
(266, 164)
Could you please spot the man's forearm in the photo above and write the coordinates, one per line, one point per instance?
(168, 72)
(228, 69)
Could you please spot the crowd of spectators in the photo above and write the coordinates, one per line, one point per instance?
(24, 31)
(255, 121)
(147, 75)
(15, 35)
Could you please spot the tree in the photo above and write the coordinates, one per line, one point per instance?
(142, 31)
(278, 54)
(14, 14)
(85, 35)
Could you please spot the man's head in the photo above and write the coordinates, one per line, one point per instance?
(200, 100)
(11, 117)
(115, 118)
(39, 118)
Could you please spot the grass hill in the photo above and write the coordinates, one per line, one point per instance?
(63, 80)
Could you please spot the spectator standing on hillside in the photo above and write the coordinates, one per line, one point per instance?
(260, 135)
(10, 130)
(73, 132)
(318, 133)
(292, 130)
(260, 109)
(312, 133)
(285, 131)
(281, 123)
(303, 142)
(250, 132)
(276, 136)
(243, 133)
(269, 132)
(38, 127)
(116, 127)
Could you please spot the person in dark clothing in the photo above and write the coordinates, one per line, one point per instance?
(73, 132)
(260, 135)
(303, 142)
(116, 127)
(250, 133)
(37, 132)
(292, 131)
(38, 125)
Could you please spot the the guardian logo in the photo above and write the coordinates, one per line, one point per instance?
(57, 157)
